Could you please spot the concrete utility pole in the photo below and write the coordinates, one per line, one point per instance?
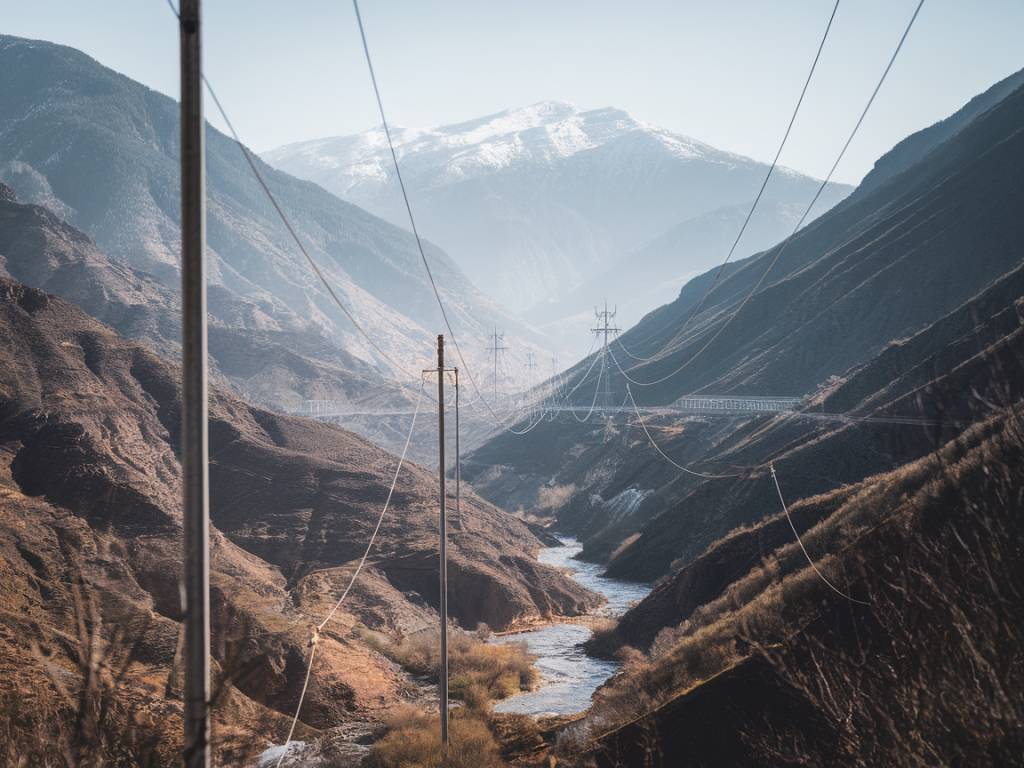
(443, 681)
(497, 347)
(604, 326)
(194, 439)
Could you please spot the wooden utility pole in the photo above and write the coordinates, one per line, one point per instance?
(194, 441)
(443, 681)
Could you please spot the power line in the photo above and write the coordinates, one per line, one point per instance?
(412, 219)
(314, 640)
(803, 549)
(288, 225)
(757, 199)
(597, 391)
(780, 249)
(677, 465)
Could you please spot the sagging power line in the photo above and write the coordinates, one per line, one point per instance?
(781, 248)
(753, 207)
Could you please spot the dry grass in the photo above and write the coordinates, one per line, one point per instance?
(945, 532)
(552, 497)
(83, 715)
(935, 674)
(413, 741)
(479, 672)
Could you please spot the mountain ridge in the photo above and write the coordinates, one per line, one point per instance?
(67, 118)
(549, 192)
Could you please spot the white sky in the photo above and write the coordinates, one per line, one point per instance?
(727, 73)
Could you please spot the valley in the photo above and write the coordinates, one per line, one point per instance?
(771, 517)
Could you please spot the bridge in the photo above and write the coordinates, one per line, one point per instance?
(721, 405)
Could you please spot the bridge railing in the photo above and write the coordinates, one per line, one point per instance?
(737, 404)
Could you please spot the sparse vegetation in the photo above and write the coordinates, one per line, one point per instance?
(934, 545)
(413, 740)
(81, 715)
(480, 672)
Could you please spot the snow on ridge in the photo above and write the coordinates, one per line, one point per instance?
(543, 132)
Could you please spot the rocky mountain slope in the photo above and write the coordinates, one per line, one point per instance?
(90, 546)
(878, 267)
(41, 250)
(866, 309)
(743, 653)
(533, 201)
(761, 663)
(101, 151)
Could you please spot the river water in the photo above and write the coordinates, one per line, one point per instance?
(569, 676)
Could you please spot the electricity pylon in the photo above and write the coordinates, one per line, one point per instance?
(603, 325)
(496, 348)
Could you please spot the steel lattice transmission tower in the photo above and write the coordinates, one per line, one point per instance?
(604, 326)
(497, 348)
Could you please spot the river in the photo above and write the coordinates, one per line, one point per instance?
(569, 676)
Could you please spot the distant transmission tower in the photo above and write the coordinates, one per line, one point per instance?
(497, 348)
(604, 326)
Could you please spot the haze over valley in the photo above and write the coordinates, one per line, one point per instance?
(546, 437)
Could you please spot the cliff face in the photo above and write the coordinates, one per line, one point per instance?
(91, 532)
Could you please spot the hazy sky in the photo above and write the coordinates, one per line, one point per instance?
(724, 72)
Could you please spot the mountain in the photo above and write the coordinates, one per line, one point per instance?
(796, 587)
(653, 274)
(878, 267)
(43, 251)
(101, 152)
(90, 548)
(867, 311)
(762, 664)
(532, 202)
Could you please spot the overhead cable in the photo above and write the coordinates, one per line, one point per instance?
(412, 219)
(355, 574)
(803, 549)
(780, 249)
(757, 199)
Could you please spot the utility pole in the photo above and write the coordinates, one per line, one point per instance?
(194, 438)
(604, 326)
(497, 347)
(458, 457)
(443, 682)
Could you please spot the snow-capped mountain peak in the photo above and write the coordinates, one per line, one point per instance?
(532, 200)
(545, 132)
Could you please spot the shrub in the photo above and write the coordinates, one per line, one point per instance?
(413, 740)
(477, 670)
